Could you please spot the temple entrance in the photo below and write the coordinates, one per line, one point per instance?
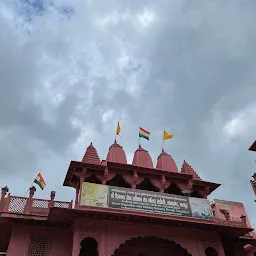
(89, 247)
(150, 246)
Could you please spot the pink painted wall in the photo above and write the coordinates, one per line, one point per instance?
(61, 242)
(236, 210)
(110, 234)
(19, 241)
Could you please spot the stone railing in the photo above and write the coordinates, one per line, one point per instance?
(233, 222)
(29, 205)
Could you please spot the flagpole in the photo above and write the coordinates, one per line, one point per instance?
(163, 144)
(29, 187)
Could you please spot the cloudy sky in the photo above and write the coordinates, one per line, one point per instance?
(69, 70)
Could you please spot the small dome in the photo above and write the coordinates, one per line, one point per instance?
(142, 158)
(116, 154)
(91, 155)
(166, 163)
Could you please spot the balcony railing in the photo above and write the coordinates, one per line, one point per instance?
(29, 205)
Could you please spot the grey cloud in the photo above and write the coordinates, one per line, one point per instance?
(197, 59)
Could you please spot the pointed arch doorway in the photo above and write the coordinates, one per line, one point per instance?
(150, 246)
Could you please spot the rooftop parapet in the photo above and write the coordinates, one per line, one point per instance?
(29, 205)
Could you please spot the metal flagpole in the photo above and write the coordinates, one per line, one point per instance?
(29, 187)
(163, 144)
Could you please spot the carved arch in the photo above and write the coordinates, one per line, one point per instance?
(173, 188)
(146, 184)
(92, 178)
(149, 246)
(119, 181)
(89, 247)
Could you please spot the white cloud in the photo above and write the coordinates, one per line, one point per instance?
(66, 81)
(146, 17)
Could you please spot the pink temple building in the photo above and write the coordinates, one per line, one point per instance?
(123, 209)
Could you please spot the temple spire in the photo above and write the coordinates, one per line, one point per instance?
(187, 169)
(91, 155)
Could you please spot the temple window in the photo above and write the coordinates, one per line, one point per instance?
(210, 251)
(89, 247)
(173, 189)
(147, 185)
(118, 181)
(38, 246)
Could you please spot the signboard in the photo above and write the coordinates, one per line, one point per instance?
(141, 200)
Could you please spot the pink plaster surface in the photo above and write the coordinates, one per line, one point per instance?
(166, 162)
(142, 158)
(186, 168)
(235, 209)
(61, 242)
(111, 234)
(116, 154)
(19, 241)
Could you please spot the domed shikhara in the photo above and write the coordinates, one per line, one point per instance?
(166, 163)
(186, 168)
(91, 155)
(116, 154)
(142, 158)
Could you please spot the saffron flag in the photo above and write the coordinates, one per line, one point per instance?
(39, 180)
(167, 136)
(144, 134)
(118, 128)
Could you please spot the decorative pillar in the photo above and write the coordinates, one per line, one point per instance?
(82, 177)
(105, 176)
(32, 191)
(30, 199)
(5, 190)
(243, 218)
(52, 196)
(134, 179)
(163, 184)
(77, 194)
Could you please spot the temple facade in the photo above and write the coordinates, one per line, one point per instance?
(123, 209)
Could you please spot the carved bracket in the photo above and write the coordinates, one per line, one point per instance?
(205, 192)
(105, 176)
(163, 184)
(225, 213)
(243, 218)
